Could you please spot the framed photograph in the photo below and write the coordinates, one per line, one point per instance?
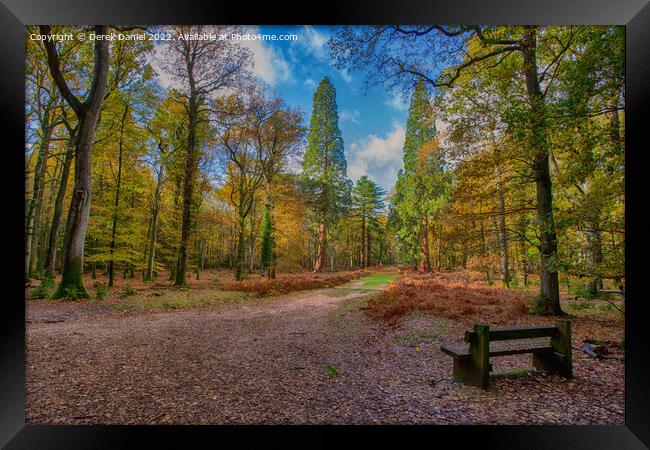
(420, 218)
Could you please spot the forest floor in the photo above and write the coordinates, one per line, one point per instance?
(335, 355)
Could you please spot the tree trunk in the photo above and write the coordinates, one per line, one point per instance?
(120, 154)
(368, 250)
(503, 239)
(87, 114)
(34, 208)
(502, 233)
(267, 246)
(321, 258)
(464, 255)
(154, 227)
(39, 250)
(595, 256)
(188, 188)
(549, 300)
(439, 251)
(241, 244)
(615, 128)
(363, 241)
(424, 265)
(503, 243)
(251, 243)
(50, 260)
(199, 251)
(380, 257)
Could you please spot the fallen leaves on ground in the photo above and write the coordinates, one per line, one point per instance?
(269, 361)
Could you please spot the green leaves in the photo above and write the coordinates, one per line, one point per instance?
(332, 370)
(367, 198)
(422, 187)
(324, 178)
(268, 244)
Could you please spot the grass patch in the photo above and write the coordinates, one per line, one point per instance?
(352, 304)
(415, 338)
(331, 369)
(44, 289)
(376, 281)
(71, 292)
(594, 309)
(128, 292)
(173, 300)
(580, 305)
(100, 291)
(342, 292)
(515, 373)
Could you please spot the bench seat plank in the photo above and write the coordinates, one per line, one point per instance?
(457, 352)
(472, 361)
(519, 350)
(461, 351)
(508, 333)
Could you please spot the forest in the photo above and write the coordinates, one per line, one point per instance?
(512, 162)
(303, 230)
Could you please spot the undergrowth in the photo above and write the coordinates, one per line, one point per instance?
(266, 287)
(450, 296)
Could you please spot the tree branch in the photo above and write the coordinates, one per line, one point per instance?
(55, 69)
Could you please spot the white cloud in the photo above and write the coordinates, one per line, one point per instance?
(345, 75)
(377, 157)
(397, 101)
(269, 64)
(157, 61)
(309, 84)
(313, 41)
(350, 116)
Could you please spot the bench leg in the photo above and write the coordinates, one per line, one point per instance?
(547, 361)
(562, 345)
(476, 370)
(551, 362)
(466, 371)
(560, 359)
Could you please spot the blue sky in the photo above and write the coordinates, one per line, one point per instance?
(372, 122)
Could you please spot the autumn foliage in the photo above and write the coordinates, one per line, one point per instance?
(458, 295)
(286, 283)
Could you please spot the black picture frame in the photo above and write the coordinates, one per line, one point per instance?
(634, 14)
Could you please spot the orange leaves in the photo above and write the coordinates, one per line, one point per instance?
(426, 152)
(458, 295)
(291, 282)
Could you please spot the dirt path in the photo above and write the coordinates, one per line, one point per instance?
(310, 357)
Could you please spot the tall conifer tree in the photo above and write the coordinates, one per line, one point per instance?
(367, 201)
(325, 182)
(412, 182)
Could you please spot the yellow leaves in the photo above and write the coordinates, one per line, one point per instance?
(426, 152)
(289, 215)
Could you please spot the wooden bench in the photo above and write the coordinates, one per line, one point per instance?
(472, 363)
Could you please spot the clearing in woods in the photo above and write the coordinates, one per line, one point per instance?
(304, 357)
(146, 300)
(375, 282)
